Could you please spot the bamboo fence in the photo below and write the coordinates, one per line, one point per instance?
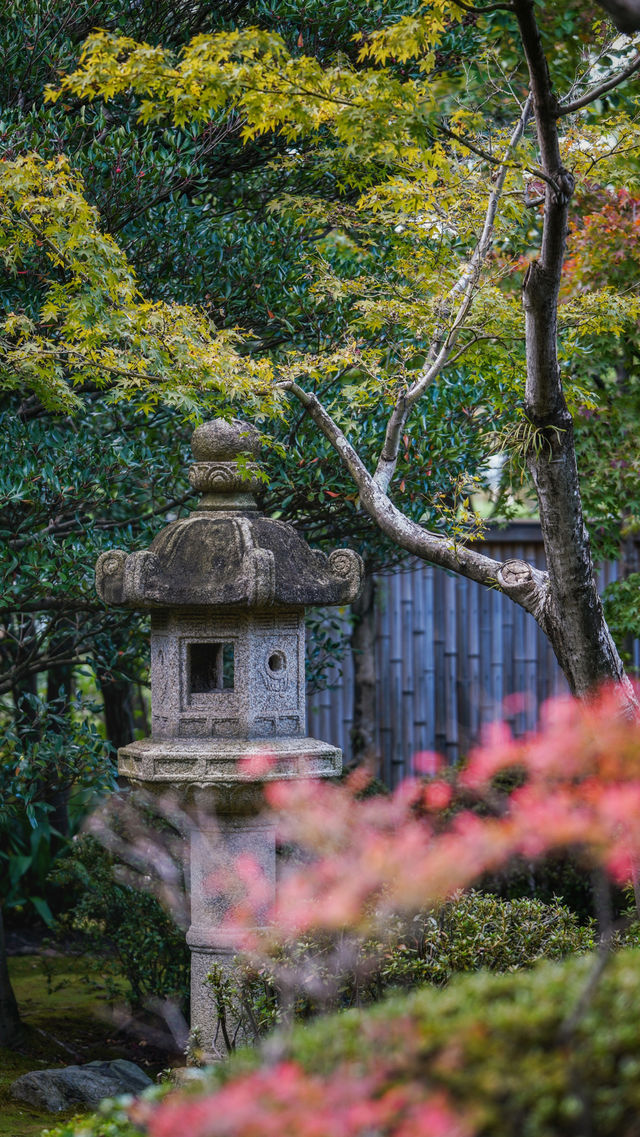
(448, 654)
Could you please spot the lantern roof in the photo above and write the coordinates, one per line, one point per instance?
(227, 552)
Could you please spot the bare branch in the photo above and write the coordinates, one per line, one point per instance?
(408, 534)
(77, 524)
(484, 154)
(37, 666)
(51, 604)
(483, 10)
(596, 92)
(440, 352)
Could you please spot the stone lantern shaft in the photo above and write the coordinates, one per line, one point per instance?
(227, 588)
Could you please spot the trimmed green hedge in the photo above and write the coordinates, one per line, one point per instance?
(476, 931)
(470, 932)
(494, 1043)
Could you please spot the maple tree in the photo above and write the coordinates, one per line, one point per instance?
(74, 483)
(411, 139)
(574, 785)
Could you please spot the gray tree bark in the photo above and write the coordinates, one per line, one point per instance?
(572, 615)
(624, 13)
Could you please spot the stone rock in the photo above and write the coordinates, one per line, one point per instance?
(72, 1086)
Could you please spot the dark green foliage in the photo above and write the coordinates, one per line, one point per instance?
(50, 772)
(193, 210)
(136, 938)
(559, 877)
(621, 601)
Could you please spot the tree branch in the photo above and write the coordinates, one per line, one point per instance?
(35, 667)
(483, 10)
(484, 154)
(76, 524)
(409, 535)
(439, 352)
(596, 92)
(51, 604)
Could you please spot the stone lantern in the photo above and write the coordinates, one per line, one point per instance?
(226, 588)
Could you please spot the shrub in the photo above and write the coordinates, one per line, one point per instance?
(495, 1045)
(144, 946)
(59, 758)
(477, 931)
(471, 932)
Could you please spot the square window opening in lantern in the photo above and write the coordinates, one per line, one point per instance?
(210, 667)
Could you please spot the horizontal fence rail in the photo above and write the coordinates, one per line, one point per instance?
(448, 653)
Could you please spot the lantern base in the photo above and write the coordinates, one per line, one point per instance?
(227, 760)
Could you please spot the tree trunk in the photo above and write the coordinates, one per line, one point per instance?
(59, 689)
(364, 748)
(572, 614)
(10, 1024)
(573, 618)
(118, 710)
(624, 13)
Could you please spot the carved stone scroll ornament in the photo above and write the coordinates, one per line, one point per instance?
(136, 574)
(349, 567)
(121, 578)
(224, 477)
(260, 570)
(110, 576)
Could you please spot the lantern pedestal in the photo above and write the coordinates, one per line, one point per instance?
(221, 789)
(214, 851)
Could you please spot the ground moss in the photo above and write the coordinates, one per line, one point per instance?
(65, 1022)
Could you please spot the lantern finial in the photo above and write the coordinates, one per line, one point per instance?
(225, 470)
